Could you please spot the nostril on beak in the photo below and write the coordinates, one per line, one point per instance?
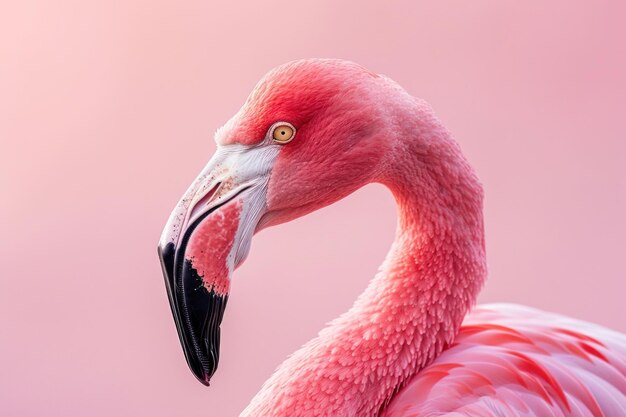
(204, 200)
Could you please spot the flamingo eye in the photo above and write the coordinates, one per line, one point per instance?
(283, 132)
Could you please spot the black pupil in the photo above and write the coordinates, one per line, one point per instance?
(282, 132)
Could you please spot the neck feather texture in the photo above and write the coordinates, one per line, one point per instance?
(414, 306)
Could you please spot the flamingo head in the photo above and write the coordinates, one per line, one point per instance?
(309, 134)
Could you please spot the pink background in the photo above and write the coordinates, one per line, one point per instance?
(107, 111)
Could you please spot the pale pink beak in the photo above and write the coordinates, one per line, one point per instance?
(207, 236)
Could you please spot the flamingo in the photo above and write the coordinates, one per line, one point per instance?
(413, 344)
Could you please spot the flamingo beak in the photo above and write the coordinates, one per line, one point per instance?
(207, 236)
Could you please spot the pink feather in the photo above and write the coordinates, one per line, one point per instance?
(511, 360)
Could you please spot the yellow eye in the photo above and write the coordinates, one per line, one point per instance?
(283, 133)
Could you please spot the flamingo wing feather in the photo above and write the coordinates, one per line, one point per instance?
(510, 360)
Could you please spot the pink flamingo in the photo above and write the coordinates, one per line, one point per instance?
(311, 133)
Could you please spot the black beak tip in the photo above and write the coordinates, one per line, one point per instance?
(201, 368)
(202, 376)
(206, 381)
(197, 313)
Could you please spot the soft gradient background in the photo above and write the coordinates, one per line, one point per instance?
(107, 111)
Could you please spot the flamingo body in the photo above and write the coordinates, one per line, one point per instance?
(515, 361)
(407, 346)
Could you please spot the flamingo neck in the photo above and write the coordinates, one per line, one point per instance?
(413, 308)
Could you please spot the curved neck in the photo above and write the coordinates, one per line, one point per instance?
(413, 307)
